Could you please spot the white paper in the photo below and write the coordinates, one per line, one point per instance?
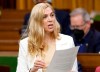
(63, 60)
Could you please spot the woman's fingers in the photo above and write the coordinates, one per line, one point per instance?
(39, 63)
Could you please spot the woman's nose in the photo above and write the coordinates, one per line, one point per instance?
(49, 18)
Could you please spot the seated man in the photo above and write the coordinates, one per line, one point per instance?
(61, 15)
(84, 35)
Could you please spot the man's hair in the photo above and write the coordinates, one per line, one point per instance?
(82, 12)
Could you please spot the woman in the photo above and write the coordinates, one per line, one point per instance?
(36, 51)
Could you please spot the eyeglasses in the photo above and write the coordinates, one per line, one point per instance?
(77, 27)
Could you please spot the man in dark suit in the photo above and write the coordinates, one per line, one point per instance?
(83, 34)
(61, 15)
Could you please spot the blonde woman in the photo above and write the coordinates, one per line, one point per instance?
(37, 50)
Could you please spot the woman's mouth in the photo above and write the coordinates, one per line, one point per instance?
(50, 26)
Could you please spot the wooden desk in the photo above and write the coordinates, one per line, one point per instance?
(89, 61)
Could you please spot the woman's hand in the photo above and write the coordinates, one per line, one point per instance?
(37, 65)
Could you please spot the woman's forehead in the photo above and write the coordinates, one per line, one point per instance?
(48, 10)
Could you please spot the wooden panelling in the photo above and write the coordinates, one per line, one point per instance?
(9, 40)
(11, 22)
(89, 61)
(30, 4)
(21, 4)
(69, 4)
(8, 35)
(97, 5)
(13, 14)
(7, 4)
(59, 4)
(72, 4)
(86, 4)
(24, 4)
(9, 47)
(8, 53)
(62, 4)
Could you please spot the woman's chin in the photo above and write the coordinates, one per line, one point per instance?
(50, 30)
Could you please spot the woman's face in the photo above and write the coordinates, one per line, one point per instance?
(48, 20)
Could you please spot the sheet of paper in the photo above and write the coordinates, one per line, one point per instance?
(63, 60)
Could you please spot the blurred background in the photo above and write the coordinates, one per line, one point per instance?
(12, 14)
(60, 4)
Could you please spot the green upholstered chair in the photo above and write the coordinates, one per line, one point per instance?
(4, 68)
(9, 61)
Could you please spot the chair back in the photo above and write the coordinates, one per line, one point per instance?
(4, 69)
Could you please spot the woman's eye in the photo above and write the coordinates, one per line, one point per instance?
(52, 15)
(44, 16)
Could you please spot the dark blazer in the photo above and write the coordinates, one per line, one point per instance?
(94, 42)
(91, 40)
(62, 17)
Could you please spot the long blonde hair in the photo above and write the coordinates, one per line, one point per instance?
(36, 32)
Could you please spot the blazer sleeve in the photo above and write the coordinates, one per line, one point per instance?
(22, 59)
